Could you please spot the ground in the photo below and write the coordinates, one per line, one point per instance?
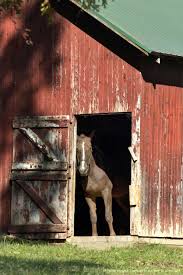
(27, 257)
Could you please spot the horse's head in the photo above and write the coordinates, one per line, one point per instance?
(84, 154)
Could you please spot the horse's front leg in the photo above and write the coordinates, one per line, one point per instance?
(91, 201)
(107, 197)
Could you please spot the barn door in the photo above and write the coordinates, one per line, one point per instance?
(39, 177)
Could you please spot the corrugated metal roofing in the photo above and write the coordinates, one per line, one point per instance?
(153, 26)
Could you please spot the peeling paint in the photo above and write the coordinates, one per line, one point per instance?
(43, 192)
(120, 106)
(89, 78)
(158, 209)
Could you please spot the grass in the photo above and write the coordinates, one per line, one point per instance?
(26, 257)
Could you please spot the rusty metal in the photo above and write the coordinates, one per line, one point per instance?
(71, 73)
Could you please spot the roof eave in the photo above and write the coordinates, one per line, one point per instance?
(165, 55)
(121, 33)
(125, 35)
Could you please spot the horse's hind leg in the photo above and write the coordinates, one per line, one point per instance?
(107, 197)
(91, 201)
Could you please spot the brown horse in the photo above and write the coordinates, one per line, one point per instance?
(96, 183)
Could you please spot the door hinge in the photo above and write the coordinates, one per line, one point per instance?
(133, 156)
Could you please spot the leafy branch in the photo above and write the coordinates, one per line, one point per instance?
(93, 4)
(45, 8)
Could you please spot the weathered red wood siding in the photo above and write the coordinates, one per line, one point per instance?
(68, 72)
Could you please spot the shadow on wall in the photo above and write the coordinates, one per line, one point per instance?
(24, 70)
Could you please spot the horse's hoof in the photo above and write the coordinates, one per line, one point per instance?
(113, 234)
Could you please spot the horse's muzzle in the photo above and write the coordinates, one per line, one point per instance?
(83, 169)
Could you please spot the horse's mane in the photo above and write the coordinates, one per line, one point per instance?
(82, 136)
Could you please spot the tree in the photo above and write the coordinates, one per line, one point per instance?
(15, 5)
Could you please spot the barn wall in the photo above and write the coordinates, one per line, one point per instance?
(66, 71)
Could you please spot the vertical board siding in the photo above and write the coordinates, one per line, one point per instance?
(161, 153)
(67, 72)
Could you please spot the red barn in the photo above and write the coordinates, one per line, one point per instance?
(116, 70)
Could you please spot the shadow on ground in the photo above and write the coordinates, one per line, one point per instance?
(16, 265)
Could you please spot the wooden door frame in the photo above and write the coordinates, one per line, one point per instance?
(72, 177)
(134, 188)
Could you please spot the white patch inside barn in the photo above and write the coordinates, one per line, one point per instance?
(110, 150)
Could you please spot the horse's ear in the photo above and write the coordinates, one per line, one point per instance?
(92, 134)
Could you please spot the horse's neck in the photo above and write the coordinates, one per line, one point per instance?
(93, 164)
(95, 171)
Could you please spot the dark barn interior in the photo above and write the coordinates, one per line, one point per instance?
(110, 149)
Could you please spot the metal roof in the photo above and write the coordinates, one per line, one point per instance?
(156, 26)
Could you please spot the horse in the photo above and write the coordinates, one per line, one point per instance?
(96, 183)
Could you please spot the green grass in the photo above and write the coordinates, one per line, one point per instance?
(24, 257)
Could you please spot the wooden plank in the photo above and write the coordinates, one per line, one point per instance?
(42, 236)
(31, 192)
(134, 195)
(72, 182)
(38, 143)
(39, 175)
(49, 165)
(41, 122)
(37, 228)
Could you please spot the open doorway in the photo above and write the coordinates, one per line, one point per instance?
(110, 149)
